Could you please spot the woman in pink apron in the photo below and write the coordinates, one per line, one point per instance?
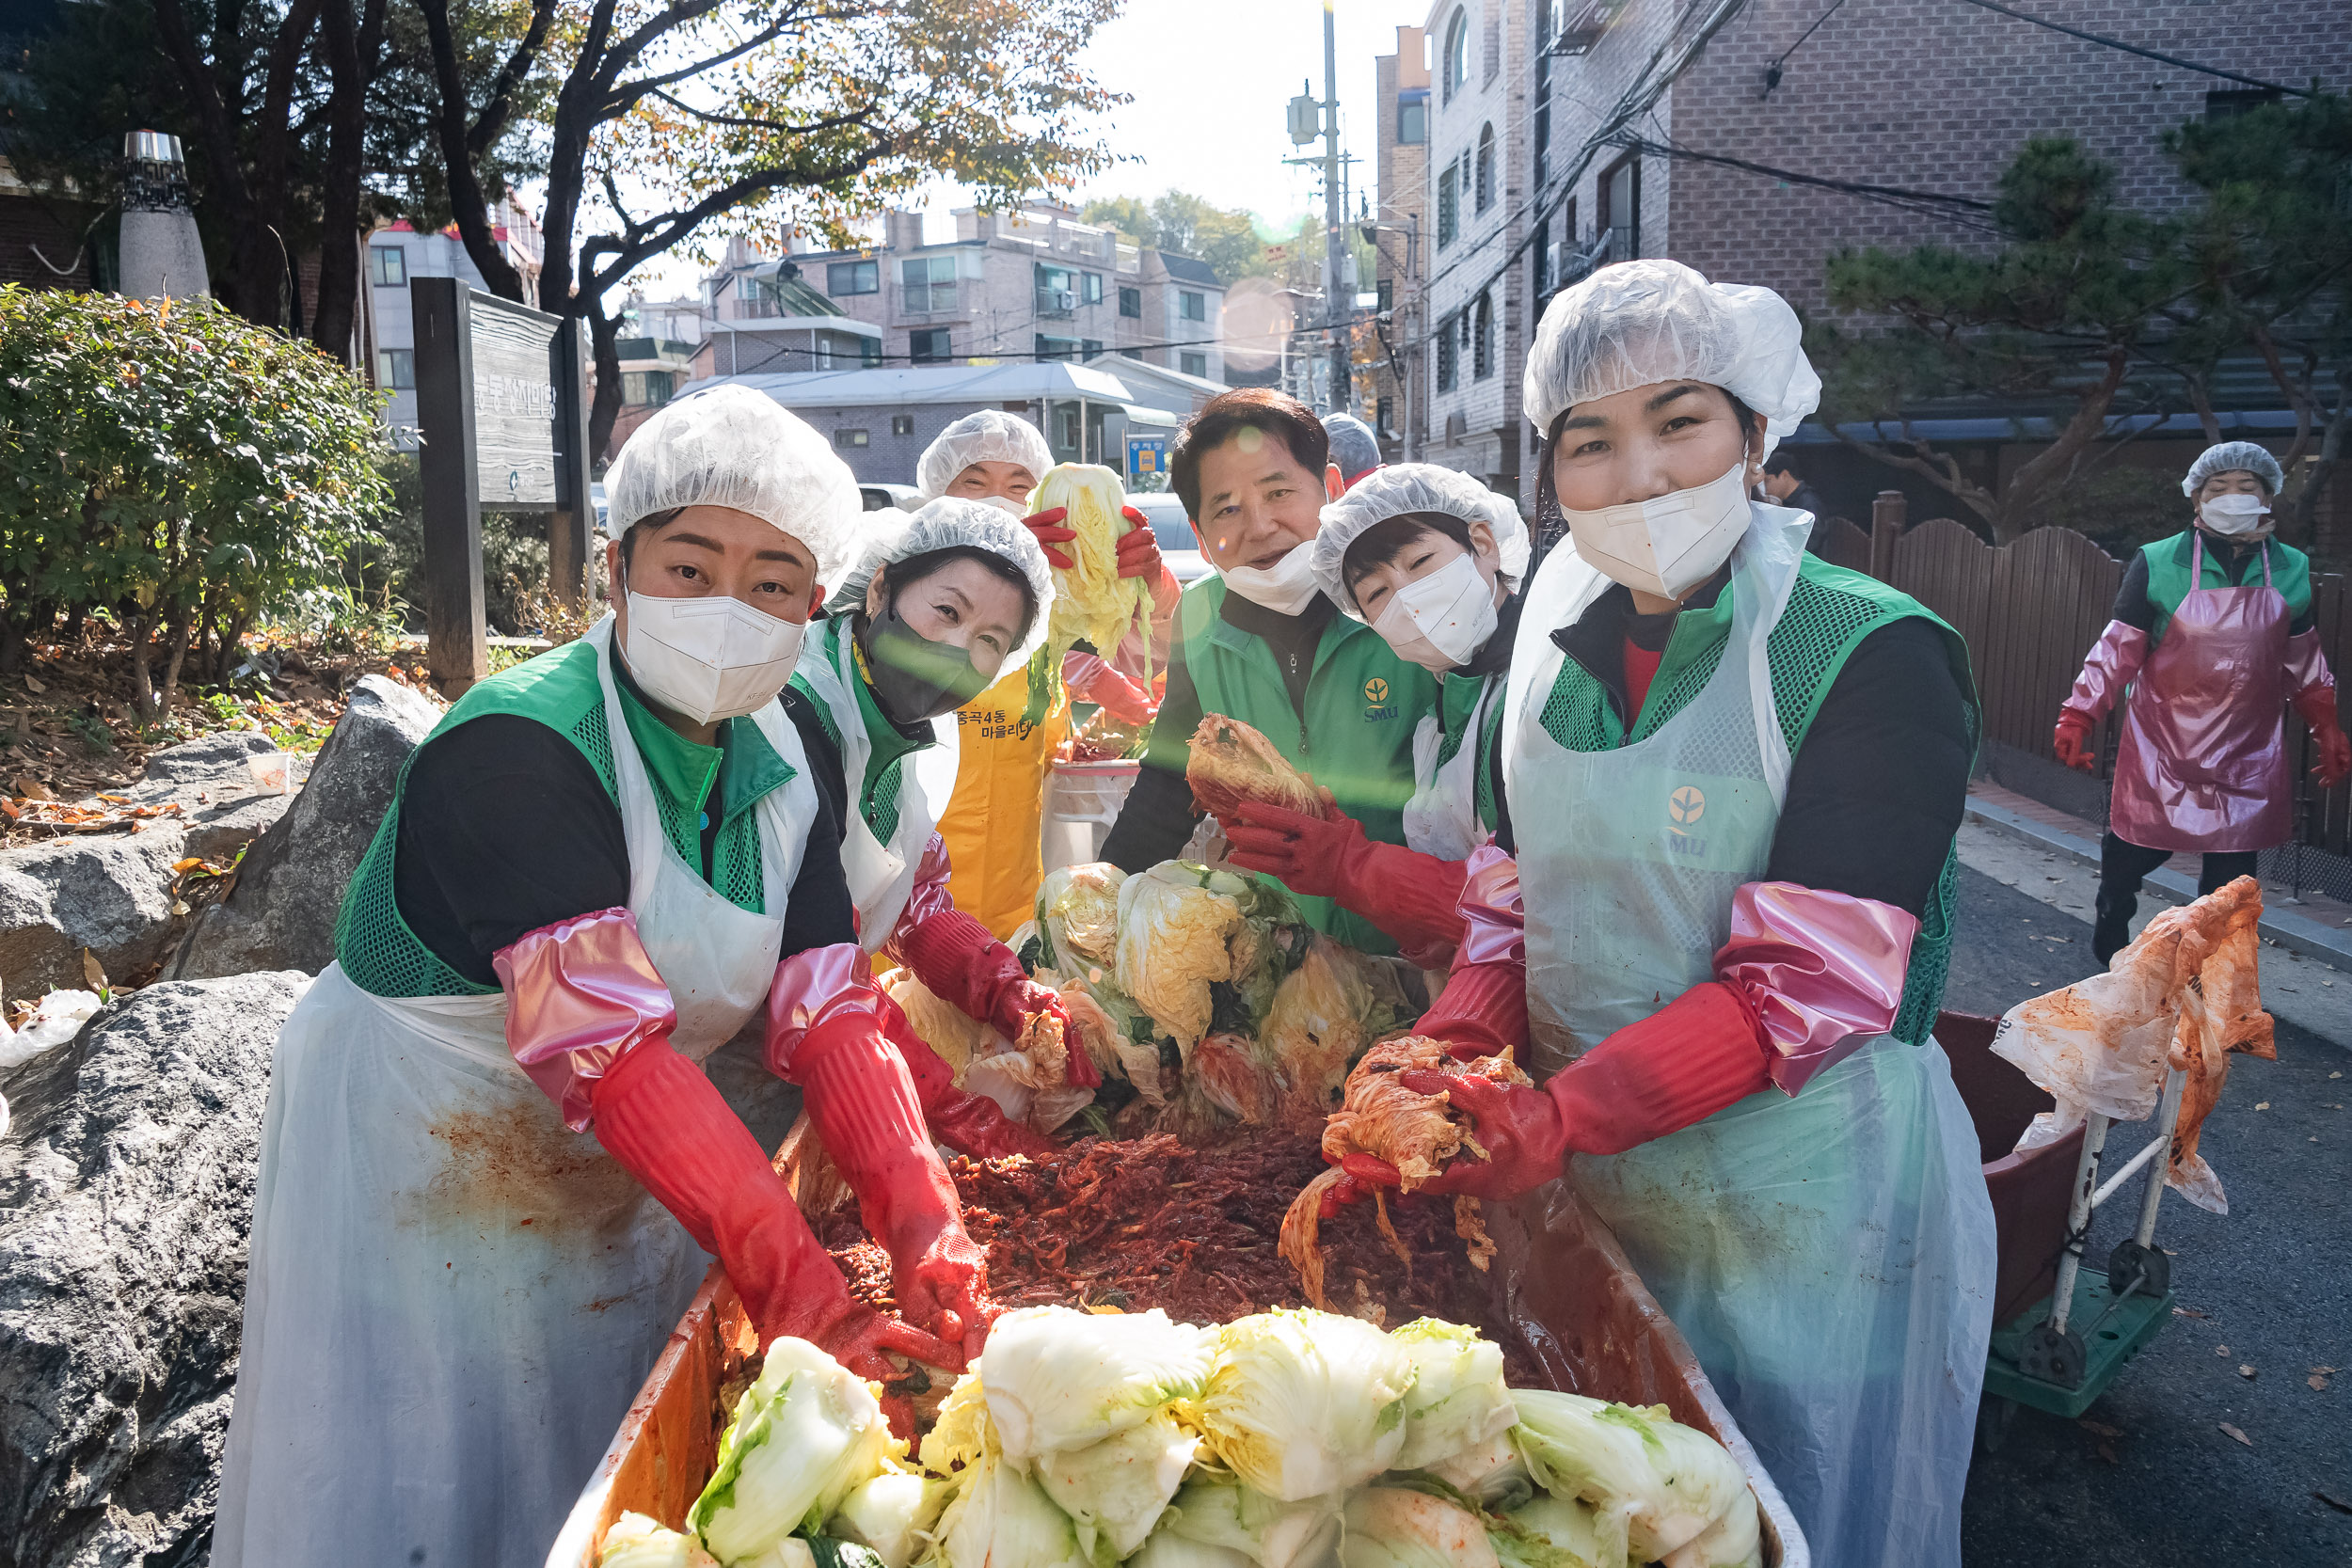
(2212, 636)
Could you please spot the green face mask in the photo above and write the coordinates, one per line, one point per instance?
(914, 677)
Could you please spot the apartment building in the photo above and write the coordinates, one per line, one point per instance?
(1475, 307)
(1035, 283)
(396, 252)
(1400, 236)
(770, 315)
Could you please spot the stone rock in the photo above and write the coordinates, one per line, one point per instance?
(222, 808)
(126, 1196)
(281, 913)
(109, 892)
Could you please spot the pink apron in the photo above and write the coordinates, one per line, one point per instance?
(2201, 763)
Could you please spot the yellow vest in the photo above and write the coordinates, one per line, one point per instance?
(995, 817)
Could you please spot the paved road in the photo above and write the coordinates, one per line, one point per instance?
(2271, 1281)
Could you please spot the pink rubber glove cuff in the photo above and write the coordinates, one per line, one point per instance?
(2111, 665)
(1494, 920)
(581, 995)
(1825, 972)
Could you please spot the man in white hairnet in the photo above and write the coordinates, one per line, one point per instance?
(493, 1167)
(993, 825)
(1735, 773)
(2213, 637)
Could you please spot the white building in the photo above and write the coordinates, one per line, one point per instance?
(397, 253)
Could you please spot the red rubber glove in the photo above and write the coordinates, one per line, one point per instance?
(1702, 1051)
(2073, 741)
(1412, 896)
(2317, 705)
(662, 1118)
(1139, 551)
(965, 966)
(971, 1124)
(860, 1096)
(1089, 679)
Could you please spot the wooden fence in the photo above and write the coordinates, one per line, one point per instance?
(2030, 611)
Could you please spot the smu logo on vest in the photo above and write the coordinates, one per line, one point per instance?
(1684, 808)
(1376, 703)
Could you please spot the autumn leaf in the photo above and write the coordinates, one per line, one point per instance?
(2237, 1434)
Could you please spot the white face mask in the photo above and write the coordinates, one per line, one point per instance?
(2236, 516)
(712, 657)
(1003, 503)
(1671, 543)
(1286, 588)
(1439, 620)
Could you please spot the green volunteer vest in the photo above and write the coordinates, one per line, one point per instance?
(1830, 612)
(559, 688)
(1362, 704)
(1457, 699)
(2168, 577)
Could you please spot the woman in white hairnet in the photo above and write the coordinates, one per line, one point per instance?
(492, 1164)
(939, 605)
(1432, 560)
(1735, 775)
(994, 823)
(2212, 636)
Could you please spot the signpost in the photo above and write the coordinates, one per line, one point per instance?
(1147, 460)
(503, 407)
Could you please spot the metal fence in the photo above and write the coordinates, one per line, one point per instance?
(2030, 611)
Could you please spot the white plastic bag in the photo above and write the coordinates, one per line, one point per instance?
(58, 1019)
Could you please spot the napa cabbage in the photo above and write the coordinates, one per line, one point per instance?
(1389, 1527)
(1304, 1402)
(1671, 1482)
(1116, 1490)
(1458, 1400)
(1001, 1518)
(1062, 1379)
(636, 1541)
(890, 1515)
(804, 1434)
(1228, 1514)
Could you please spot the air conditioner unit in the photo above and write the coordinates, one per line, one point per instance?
(1065, 299)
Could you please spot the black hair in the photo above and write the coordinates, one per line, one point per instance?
(899, 576)
(1390, 537)
(1779, 463)
(1225, 415)
(1550, 526)
(651, 523)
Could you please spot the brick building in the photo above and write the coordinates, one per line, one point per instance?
(1399, 237)
(1034, 283)
(1605, 154)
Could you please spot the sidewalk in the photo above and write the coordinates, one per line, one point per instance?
(2316, 926)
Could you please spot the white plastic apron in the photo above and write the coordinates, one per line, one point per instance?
(453, 1297)
(1830, 1257)
(881, 875)
(1441, 818)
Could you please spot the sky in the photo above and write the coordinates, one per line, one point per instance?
(1210, 79)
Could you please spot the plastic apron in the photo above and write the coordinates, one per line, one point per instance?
(994, 822)
(1830, 1257)
(452, 1296)
(1441, 818)
(881, 875)
(2202, 760)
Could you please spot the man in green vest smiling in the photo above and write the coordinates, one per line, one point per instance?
(1259, 642)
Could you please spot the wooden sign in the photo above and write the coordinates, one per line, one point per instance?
(515, 405)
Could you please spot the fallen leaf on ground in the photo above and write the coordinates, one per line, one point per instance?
(32, 684)
(91, 972)
(2239, 1435)
(2221, 1350)
(2097, 1428)
(2244, 1371)
(2262, 1105)
(2186, 1312)
(2318, 1382)
(2332, 1501)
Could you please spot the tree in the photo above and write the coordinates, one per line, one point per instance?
(674, 123)
(2055, 317)
(2270, 257)
(1225, 238)
(179, 468)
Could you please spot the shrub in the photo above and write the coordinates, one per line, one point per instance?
(175, 466)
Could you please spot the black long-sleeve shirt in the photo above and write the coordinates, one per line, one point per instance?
(2133, 608)
(506, 827)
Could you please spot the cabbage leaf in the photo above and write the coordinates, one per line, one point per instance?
(1302, 1403)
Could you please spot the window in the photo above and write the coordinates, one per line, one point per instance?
(929, 284)
(1449, 205)
(2232, 103)
(868, 353)
(1135, 354)
(1544, 34)
(1090, 287)
(1384, 295)
(1482, 340)
(1448, 357)
(850, 438)
(648, 388)
(1056, 291)
(1621, 210)
(1091, 348)
(1193, 364)
(1191, 306)
(1071, 430)
(929, 346)
(1056, 348)
(1384, 417)
(853, 278)
(901, 424)
(1131, 302)
(397, 369)
(1412, 117)
(387, 266)
(1485, 167)
(1455, 66)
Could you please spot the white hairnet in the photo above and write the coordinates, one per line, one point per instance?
(983, 436)
(1640, 322)
(730, 445)
(1354, 450)
(1402, 487)
(2230, 457)
(948, 523)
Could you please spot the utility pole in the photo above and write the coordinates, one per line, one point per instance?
(1339, 307)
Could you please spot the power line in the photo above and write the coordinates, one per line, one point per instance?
(2134, 49)
(1963, 210)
